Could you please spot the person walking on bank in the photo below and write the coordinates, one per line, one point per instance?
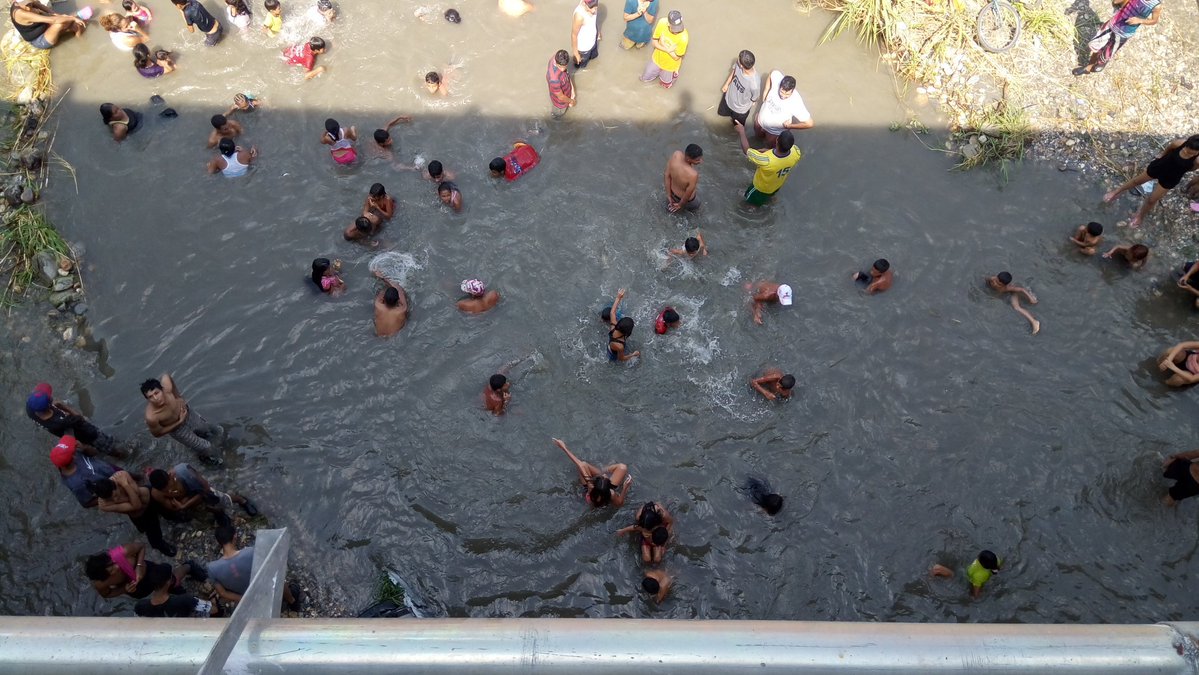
(1111, 36)
(167, 413)
(639, 17)
(584, 33)
(1178, 158)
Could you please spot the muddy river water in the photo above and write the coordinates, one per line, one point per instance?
(928, 423)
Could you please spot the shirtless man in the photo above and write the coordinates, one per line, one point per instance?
(167, 413)
(878, 278)
(1002, 282)
(496, 394)
(121, 494)
(480, 299)
(682, 180)
(223, 127)
(656, 583)
(768, 291)
(391, 309)
(379, 205)
(773, 384)
(1182, 362)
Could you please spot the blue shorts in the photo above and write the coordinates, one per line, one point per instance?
(40, 42)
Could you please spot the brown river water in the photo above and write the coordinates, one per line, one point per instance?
(928, 423)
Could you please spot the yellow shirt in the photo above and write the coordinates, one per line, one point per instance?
(273, 23)
(676, 41)
(772, 169)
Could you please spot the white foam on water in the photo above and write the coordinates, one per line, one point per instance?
(395, 266)
(728, 392)
(731, 276)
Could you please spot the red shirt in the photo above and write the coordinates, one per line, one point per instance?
(522, 158)
(300, 55)
(561, 90)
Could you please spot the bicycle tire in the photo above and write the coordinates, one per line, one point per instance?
(998, 26)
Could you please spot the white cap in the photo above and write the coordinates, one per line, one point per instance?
(784, 294)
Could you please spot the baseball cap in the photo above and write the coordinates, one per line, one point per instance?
(43, 387)
(675, 18)
(63, 453)
(591, 3)
(784, 294)
(474, 287)
(38, 401)
(324, 4)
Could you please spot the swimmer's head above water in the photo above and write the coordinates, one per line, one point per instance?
(497, 166)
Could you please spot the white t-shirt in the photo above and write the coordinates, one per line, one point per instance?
(587, 32)
(776, 111)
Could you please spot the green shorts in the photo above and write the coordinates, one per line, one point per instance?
(756, 197)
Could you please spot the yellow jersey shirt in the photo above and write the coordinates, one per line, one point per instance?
(671, 41)
(273, 23)
(772, 169)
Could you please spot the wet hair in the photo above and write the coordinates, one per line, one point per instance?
(107, 110)
(786, 141)
(436, 169)
(158, 576)
(141, 57)
(127, 5)
(332, 128)
(363, 224)
(1094, 229)
(453, 16)
(391, 297)
(760, 493)
(606, 314)
(1191, 143)
(650, 517)
(271, 4)
(497, 382)
(497, 165)
(746, 59)
(562, 57)
(159, 479)
(787, 381)
(670, 316)
(650, 585)
(988, 560)
(317, 44)
(225, 534)
(239, 6)
(787, 83)
(381, 136)
(377, 190)
(217, 121)
(693, 151)
(227, 147)
(1138, 251)
(111, 22)
(445, 186)
(1004, 278)
(882, 265)
(691, 245)
(432, 78)
(625, 325)
(103, 488)
(319, 266)
(96, 566)
(150, 385)
(601, 491)
(659, 536)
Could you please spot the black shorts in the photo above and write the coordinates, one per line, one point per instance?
(725, 111)
(1180, 471)
(588, 56)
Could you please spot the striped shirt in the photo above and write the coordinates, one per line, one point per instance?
(561, 90)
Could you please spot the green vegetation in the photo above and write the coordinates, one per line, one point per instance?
(1000, 134)
(25, 233)
(387, 589)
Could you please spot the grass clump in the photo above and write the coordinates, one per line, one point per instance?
(388, 590)
(26, 233)
(1000, 134)
(1051, 24)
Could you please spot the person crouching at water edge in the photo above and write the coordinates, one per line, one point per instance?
(600, 484)
(233, 160)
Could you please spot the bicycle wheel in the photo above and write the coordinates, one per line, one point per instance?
(998, 26)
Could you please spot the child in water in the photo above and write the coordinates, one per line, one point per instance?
(979, 572)
(142, 15)
(324, 275)
(340, 142)
(654, 524)
(272, 25)
(764, 496)
(1088, 237)
(666, 320)
(1002, 283)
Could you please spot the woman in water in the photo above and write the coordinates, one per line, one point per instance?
(160, 63)
(622, 328)
(121, 121)
(124, 31)
(324, 275)
(341, 142)
(600, 483)
(1111, 36)
(239, 13)
(1179, 157)
(234, 161)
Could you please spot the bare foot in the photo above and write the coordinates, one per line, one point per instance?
(1036, 326)
(1135, 221)
(1111, 196)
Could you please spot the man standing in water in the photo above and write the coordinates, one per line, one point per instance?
(77, 471)
(61, 419)
(670, 40)
(774, 165)
(562, 91)
(167, 413)
(195, 16)
(682, 179)
(391, 309)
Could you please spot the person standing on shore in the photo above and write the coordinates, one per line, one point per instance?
(639, 16)
(741, 88)
(1111, 36)
(61, 419)
(670, 40)
(167, 413)
(562, 91)
(774, 165)
(584, 33)
(1178, 158)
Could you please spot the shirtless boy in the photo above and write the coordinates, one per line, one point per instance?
(1088, 237)
(391, 309)
(773, 384)
(878, 278)
(682, 179)
(1002, 283)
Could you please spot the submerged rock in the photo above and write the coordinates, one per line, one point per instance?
(63, 283)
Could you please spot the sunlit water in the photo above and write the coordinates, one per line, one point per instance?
(928, 423)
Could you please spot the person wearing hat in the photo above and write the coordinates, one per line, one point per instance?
(584, 33)
(40, 26)
(61, 419)
(480, 299)
(167, 413)
(670, 41)
(77, 470)
(770, 292)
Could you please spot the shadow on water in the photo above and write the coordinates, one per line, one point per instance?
(928, 423)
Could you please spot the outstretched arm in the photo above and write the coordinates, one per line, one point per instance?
(615, 306)
(759, 383)
(580, 465)
(398, 120)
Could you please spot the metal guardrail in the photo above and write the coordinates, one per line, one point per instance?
(254, 640)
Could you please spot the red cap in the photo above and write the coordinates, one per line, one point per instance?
(64, 453)
(660, 323)
(43, 388)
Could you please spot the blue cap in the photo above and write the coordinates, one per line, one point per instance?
(38, 401)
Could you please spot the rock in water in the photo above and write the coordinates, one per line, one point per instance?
(27, 196)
